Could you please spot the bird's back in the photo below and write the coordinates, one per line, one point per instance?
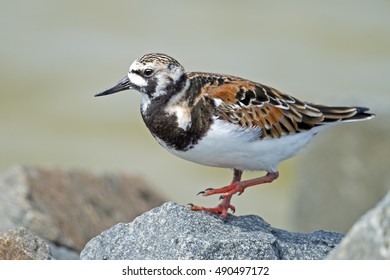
(248, 104)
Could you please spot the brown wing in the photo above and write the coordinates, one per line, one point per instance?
(252, 104)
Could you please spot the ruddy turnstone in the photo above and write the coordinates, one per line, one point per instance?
(226, 121)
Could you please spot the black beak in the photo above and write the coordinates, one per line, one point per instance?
(123, 84)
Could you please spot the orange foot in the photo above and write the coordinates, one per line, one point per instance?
(237, 186)
(221, 208)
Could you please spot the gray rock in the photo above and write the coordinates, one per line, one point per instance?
(21, 244)
(369, 238)
(173, 232)
(69, 207)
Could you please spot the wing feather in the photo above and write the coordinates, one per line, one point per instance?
(250, 104)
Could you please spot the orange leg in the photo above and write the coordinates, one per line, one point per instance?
(237, 186)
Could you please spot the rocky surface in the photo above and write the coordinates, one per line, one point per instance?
(21, 244)
(369, 238)
(69, 207)
(60, 210)
(171, 231)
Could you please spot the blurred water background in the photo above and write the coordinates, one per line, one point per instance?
(55, 55)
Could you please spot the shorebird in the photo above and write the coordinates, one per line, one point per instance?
(226, 121)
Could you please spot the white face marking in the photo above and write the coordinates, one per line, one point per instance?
(135, 78)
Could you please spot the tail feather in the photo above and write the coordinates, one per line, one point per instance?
(343, 114)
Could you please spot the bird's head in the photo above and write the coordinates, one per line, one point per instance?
(153, 75)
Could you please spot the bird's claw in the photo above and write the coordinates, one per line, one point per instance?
(204, 193)
(190, 206)
(232, 208)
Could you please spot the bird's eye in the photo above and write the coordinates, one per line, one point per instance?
(148, 72)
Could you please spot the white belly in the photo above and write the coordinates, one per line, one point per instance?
(227, 146)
